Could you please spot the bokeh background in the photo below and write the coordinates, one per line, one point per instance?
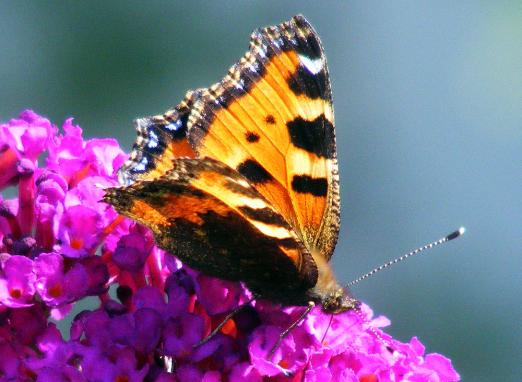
(428, 100)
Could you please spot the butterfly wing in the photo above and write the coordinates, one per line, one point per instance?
(209, 216)
(161, 139)
(271, 119)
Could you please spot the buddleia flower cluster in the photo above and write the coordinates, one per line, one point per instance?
(60, 246)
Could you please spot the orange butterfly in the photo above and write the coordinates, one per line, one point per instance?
(240, 180)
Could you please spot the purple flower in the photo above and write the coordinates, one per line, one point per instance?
(244, 371)
(80, 231)
(17, 284)
(116, 364)
(56, 286)
(182, 333)
(218, 296)
(133, 249)
(60, 244)
(29, 135)
(52, 365)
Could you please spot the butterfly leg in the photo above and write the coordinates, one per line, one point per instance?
(222, 323)
(287, 331)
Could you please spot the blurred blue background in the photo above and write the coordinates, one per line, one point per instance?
(428, 100)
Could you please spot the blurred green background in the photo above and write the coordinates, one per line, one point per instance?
(428, 100)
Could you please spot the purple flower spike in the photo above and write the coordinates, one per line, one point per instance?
(60, 244)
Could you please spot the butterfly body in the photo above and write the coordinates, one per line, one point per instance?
(240, 180)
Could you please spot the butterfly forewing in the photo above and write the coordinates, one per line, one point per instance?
(271, 119)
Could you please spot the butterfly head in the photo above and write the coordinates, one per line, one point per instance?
(337, 300)
(327, 292)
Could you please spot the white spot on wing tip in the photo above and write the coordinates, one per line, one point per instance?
(314, 66)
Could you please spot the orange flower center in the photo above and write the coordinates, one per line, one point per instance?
(55, 290)
(15, 293)
(229, 328)
(76, 243)
(368, 378)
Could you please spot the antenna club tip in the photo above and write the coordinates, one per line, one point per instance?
(456, 234)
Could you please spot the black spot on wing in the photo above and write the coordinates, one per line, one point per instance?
(254, 172)
(305, 184)
(311, 85)
(315, 136)
(252, 137)
(270, 119)
(264, 215)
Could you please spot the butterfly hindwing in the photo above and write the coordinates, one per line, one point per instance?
(209, 216)
(161, 138)
(271, 119)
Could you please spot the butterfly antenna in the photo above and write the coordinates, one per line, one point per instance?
(372, 329)
(443, 240)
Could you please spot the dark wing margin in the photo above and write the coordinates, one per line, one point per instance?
(160, 139)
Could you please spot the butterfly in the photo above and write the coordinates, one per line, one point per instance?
(240, 180)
